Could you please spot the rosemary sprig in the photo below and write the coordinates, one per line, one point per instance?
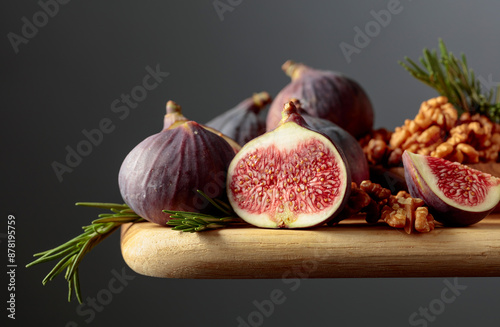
(197, 222)
(72, 252)
(451, 77)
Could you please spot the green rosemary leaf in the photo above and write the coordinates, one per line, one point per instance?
(57, 268)
(191, 222)
(182, 227)
(127, 211)
(70, 290)
(51, 257)
(78, 258)
(61, 268)
(228, 210)
(115, 219)
(415, 67)
(186, 213)
(215, 204)
(103, 205)
(200, 221)
(76, 285)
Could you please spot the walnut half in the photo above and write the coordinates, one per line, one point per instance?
(403, 211)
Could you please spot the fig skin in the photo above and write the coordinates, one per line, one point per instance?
(325, 94)
(443, 212)
(292, 128)
(174, 117)
(243, 122)
(353, 152)
(164, 171)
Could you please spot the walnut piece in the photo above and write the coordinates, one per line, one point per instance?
(358, 200)
(429, 128)
(399, 211)
(375, 151)
(474, 139)
(436, 131)
(403, 211)
(376, 146)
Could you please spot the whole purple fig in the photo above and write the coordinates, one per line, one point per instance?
(325, 94)
(243, 123)
(164, 171)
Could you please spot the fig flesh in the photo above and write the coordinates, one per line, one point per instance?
(350, 146)
(457, 195)
(291, 177)
(164, 171)
(325, 94)
(243, 122)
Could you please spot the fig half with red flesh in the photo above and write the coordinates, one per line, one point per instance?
(456, 194)
(353, 152)
(290, 177)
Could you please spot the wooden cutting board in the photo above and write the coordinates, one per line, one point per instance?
(351, 249)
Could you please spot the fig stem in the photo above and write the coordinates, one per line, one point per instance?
(174, 115)
(293, 69)
(261, 99)
(288, 109)
(173, 107)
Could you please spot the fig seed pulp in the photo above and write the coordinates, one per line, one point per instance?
(290, 177)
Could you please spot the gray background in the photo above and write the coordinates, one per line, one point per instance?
(66, 77)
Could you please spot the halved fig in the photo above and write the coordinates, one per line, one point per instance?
(353, 152)
(457, 195)
(290, 177)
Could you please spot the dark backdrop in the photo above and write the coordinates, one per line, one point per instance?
(65, 79)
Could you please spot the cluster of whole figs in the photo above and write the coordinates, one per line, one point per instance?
(292, 169)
